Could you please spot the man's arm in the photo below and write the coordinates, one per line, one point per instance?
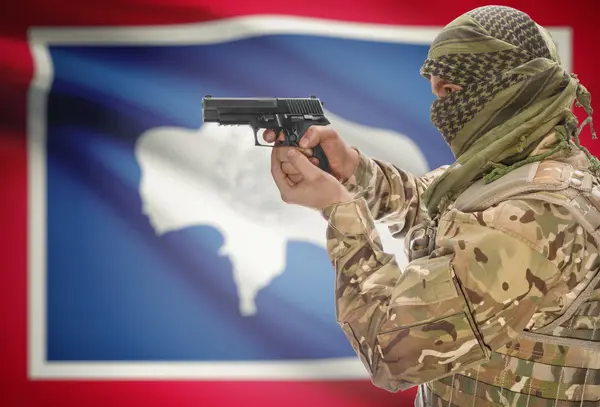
(444, 313)
(392, 195)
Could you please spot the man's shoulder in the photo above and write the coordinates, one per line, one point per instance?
(536, 202)
(563, 178)
(535, 220)
(544, 226)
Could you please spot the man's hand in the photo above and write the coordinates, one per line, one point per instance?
(316, 189)
(342, 158)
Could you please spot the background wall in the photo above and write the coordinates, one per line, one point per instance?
(162, 268)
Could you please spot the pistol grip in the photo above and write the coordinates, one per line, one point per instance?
(318, 152)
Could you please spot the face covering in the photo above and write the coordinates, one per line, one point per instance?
(514, 93)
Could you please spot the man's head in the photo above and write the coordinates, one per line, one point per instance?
(501, 90)
(474, 59)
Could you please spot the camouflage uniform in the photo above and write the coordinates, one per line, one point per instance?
(462, 320)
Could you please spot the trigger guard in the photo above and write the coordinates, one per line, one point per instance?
(255, 130)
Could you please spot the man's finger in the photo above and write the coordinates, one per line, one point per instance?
(279, 176)
(280, 137)
(296, 178)
(269, 136)
(282, 152)
(315, 135)
(288, 169)
(303, 166)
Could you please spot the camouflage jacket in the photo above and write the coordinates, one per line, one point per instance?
(452, 320)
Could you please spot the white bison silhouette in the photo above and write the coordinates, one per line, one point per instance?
(215, 176)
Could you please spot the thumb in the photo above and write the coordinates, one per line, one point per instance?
(315, 135)
(300, 162)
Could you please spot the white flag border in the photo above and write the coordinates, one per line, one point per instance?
(212, 32)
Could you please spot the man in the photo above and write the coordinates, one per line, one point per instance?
(499, 304)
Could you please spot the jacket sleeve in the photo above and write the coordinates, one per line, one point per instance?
(446, 312)
(392, 195)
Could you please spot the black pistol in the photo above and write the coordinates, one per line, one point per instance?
(292, 116)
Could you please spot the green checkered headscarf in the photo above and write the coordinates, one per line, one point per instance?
(514, 92)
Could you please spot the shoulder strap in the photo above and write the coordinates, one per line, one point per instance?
(551, 181)
(538, 176)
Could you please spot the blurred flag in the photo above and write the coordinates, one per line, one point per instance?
(158, 246)
(166, 239)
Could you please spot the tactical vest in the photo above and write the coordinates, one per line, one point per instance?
(552, 351)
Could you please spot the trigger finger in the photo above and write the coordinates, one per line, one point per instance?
(269, 136)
